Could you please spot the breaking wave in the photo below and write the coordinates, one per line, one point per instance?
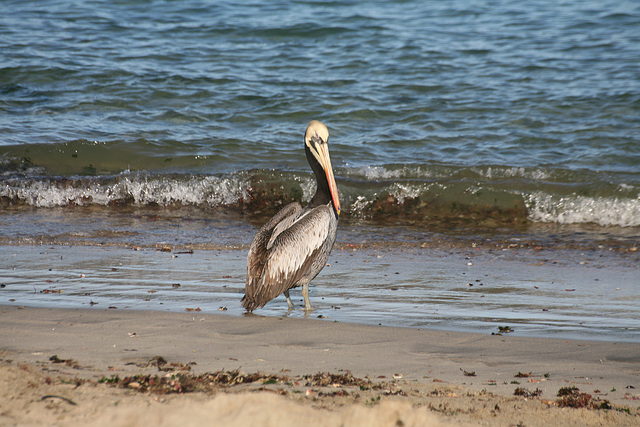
(575, 209)
(421, 194)
(125, 189)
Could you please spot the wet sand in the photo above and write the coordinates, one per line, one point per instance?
(541, 292)
(424, 377)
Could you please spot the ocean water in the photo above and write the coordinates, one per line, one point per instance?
(131, 122)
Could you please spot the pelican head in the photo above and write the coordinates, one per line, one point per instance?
(315, 140)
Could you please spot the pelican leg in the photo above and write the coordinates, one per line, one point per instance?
(286, 294)
(305, 294)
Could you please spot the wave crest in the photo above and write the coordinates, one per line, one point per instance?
(422, 195)
(575, 209)
(125, 189)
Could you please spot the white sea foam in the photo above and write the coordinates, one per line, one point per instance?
(376, 173)
(359, 205)
(209, 190)
(575, 209)
(140, 189)
(535, 174)
(404, 191)
(308, 186)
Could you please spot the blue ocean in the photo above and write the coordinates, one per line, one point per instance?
(454, 125)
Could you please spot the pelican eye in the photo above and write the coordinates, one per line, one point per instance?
(316, 139)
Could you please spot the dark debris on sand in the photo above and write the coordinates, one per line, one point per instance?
(175, 378)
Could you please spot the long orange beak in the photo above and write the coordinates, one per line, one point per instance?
(325, 161)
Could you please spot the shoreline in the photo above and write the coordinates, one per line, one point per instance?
(543, 293)
(431, 367)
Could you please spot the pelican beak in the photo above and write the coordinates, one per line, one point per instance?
(320, 150)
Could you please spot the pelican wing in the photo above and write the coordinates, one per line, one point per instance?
(258, 251)
(289, 254)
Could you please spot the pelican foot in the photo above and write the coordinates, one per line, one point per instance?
(289, 303)
(305, 294)
(307, 312)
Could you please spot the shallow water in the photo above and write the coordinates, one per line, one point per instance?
(574, 295)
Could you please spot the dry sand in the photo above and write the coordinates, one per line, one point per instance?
(410, 376)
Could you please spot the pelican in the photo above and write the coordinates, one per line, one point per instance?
(292, 247)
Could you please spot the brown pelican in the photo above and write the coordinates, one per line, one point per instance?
(294, 245)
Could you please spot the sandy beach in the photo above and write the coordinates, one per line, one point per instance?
(72, 367)
(482, 158)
